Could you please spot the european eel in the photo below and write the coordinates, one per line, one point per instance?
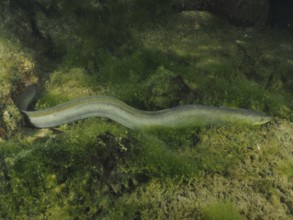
(116, 110)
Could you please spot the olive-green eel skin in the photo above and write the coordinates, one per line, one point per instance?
(108, 107)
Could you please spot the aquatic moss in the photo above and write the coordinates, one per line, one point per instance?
(221, 210)
(56, 162)
(67, 84)
(155, 158)
(151, 201)
(17, 66)
(286, 168)
(229, 70)
(166, 89)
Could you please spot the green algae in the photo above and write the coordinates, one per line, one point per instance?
(16, 69)
(287, 168)
(67, 84)
(222, 210)
(87, 158)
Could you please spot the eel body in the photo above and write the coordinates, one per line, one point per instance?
(116, 110)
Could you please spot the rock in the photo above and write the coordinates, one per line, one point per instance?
(165, 89)
(238, 12)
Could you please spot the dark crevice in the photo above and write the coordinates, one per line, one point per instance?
(281, 13)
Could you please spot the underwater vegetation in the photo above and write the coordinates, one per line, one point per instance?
(150, 59)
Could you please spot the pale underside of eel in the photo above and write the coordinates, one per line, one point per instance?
(116, 110)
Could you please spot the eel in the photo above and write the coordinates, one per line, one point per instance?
(116, 110)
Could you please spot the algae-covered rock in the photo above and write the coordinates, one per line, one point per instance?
(11, 118)
(165, 89)
(16, 73)
(238, 12)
